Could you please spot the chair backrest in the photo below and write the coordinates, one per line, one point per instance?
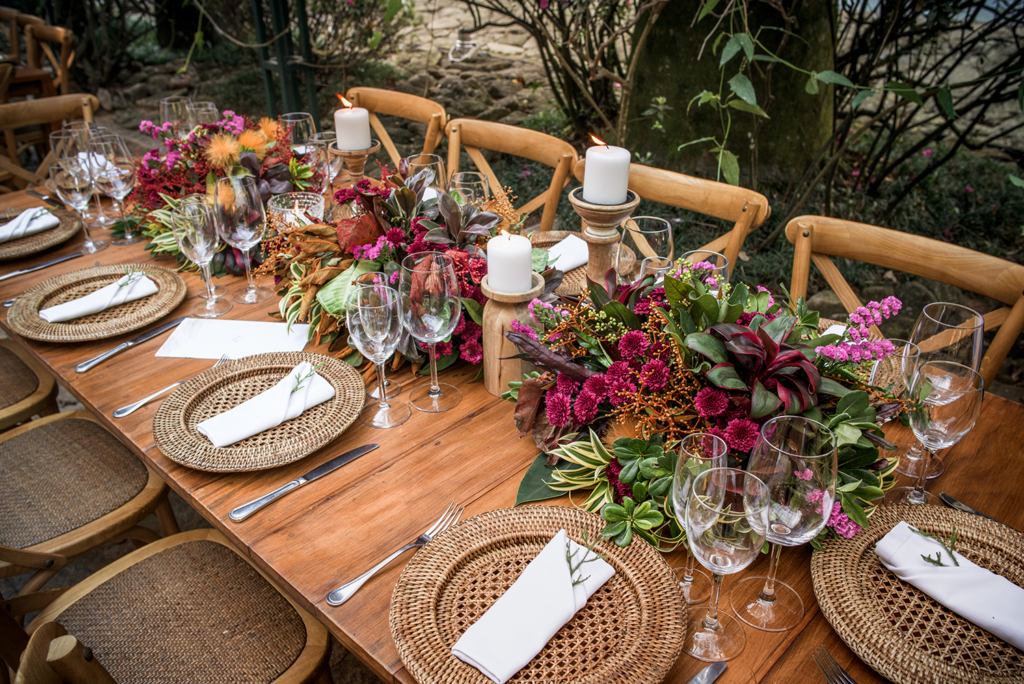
(37, 112)
(816, 238)
(540, 147)
(745, 208)
(404, 106)
(52, 656)
(37, 45)
(9, 17)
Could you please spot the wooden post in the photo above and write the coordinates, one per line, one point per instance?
(501, 309)
(601, 232)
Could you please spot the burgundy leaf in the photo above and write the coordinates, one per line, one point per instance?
(548, 359)
(528, 403)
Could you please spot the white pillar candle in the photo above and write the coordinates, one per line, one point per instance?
(510, 263)
(352, 128)
(607, 175)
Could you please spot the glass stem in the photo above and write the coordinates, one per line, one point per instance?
(435, 386)
(768, 592)
(691, 562)
(247, 262)
(85, 224)
(128, 232)
(382, 393)
(208, 279)
(711, 619)
(917, 496)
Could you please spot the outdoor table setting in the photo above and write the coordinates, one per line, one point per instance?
(691, 425)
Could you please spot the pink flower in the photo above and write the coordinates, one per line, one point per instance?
(596, 385)
(855, 173)
(841, 523)
(633, 344)
(710, 402)
(396, 236)
(472, 351)
(654, 375)
(804, 474)
(968, 189)
(815, 497)
(173, 157)
(924, 153)
(741, 434)
(618, 370)
(524, 329)
(566, 385)
(558, 408)
(586, 407)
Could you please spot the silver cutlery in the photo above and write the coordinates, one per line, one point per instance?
(245, 510)
(38, 267)
(132, 408)
(961, 506)
(708, 674)
(148, 335)
(830, 668)
(46, 198)
(346, 591)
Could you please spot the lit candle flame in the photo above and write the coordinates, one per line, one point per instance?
(344, 103)
(295, 207)
(597, 141)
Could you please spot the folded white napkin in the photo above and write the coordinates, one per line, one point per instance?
(128, 288)
(568, 254)
(28, 222)
(268, 410)
(991, 602)
(531, 612)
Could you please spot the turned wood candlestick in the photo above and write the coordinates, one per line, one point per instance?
(355, 160)
(602, 232)
(501, 309)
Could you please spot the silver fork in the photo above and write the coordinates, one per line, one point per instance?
(132, 408)
(346, 591)
(830, 668)
(10, 302)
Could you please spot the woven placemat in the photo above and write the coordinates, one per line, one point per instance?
(573, 282)
(897, 629)
(631, 629)
(234, 382)
(117, 320)
(69, 224)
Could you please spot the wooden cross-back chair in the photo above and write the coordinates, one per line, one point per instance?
(52, 656)
(37, 46)
(745, 208)
(557, 154)
(816, 239)
(392, 103)
(15, 24)
(26, 389)
(43, 112)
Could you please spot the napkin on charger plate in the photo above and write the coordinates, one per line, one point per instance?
(991, 602)
(301, 389)
(28, 222)
(525, 618)
(568, 254)
(127, 288)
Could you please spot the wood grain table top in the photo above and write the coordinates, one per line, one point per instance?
(320, 536)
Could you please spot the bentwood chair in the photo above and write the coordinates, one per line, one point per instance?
(37, 44)
(188, 608)
(391, 103)
(40, 112)
(15, 23)
(52, 656)
(817, 238)
(475, 135)
(26, 389)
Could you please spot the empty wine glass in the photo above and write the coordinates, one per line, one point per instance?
(329, 165)
(242, 222)
(302, 129)
(726, 520)
(796, 458)
(713, 267)
(698, 453)
(471, 186)
(374, 324)
(199, 198)
(392, 389)
(431, 306)
(73, 189)
(202, 113)
(432, 162)
(74, 140)
(946, 401)
(195, 228)
(645, 248)
(115, 177)
(175, 110)
(897, 370)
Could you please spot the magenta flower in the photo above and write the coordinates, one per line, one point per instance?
(711, 402)
(815, 497)
(524, 329)
(741, 434)
(558, 409)
(804, 474)
(841, 523)
(617, 371)
(586, 407)
(596, 385)
(654, 375)
(968, 189)
(633, 344)
(924, 153)
(566, 385)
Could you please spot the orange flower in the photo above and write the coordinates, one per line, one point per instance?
(270, 129)
(223, 150)
(255, 141)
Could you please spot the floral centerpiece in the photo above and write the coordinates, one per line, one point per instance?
(628, 370)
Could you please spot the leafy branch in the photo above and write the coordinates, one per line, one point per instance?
(947, 545)
(570, 555)
(299, 380)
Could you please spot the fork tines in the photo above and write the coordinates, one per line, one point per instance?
(830, 668)
(449, 518)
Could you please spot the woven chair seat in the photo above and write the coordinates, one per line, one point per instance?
(17, 380)
(195, 612)
(60, 476)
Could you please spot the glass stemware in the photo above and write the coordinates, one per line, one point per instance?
(202, 113)
(947, 398)
(471, 186)
(195, 228)
(797, 459)
(302, 131)
(74, 190)
(175, 110)
(392, 389)
(438, 184)
(431, 305)
(199, 198)
(726, 521)
(714, 263)
(242, 222)
(645, 248)
(697, 453)
(74, 145)
(115, 177)
(374, 324)
(329, 165)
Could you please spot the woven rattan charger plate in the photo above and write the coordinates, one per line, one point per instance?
(631, 629)
(573, 282)
(117, 320)
(234, 382)
(62, 232)
(897, 629)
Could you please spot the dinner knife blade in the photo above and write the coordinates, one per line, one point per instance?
(148, 335)
(708, 674)
(45, 264)
(961, 506)
(46, 198)
(245, 510)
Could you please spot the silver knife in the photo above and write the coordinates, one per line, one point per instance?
(46, 198)
(45, 264)
(708, 674)
(245, 510)
(148, 335)
(961, 506)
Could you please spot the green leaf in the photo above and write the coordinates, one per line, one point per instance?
(763, 403)
(534, 485)
(730, 165)
(846, 434)
(708, 345)
(812, 84)
(597, 294)
(614, 529)
(748, 45)
(945, 99)
(834, 78)
(709, 6)
(694, 142)
(743, 88)
(539, 260)
(620, 311)
(861, 96)
(853, 403)
(725, 376)
(832, 388)
(732, 48)
(749, 108)
(375, 39)
(474, 309)
(856, 513)
(904, 90)
(625, 538)
(394, 6)
(1019, 182)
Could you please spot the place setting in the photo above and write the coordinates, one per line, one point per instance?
(30, 231)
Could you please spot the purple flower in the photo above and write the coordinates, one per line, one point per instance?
(924, 153)
(711, 402)
(841, 523)
(586, 407)
(566, 385)
(741, 434)
(523, 329)
(968, 189)
(558, 408)
(633, 344)
(173, 157)
(654, 375)
(815, 497)
(804, 474)
(596, 385)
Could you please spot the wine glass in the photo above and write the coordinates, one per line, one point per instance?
(302, 131)
(242, 222)
(74, 189)
(195, 228)
(328, 164)
(431, 306)
(374, 324)
(432, 162)
(697, 453)
(897, 370)
(202, 113)
(797, 459)
(115, 177)
(947, 399)
(712, 264)
(726, 521)
(471, 186)
(645, 248)
(74, 140)
(175, 110)
(392, 389)
(199, 198)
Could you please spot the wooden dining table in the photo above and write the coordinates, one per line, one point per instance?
(325, 534)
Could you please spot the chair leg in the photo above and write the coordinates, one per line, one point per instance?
(49, 406)
(165, 515)
(325, 676)
(140, 536)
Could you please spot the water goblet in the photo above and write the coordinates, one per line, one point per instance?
(242, 222)
(374, 324)
(645, 248)
(329, 165)
(471, 186)
(200, 198)
(433, 163)
(194, 227)
(74, 190)
(115, 177)
(202, 113)
(713, 268)
(289, 210)
(75, 138)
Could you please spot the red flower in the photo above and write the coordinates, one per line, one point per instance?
(558, 409)
(710, 402)
(741, 434)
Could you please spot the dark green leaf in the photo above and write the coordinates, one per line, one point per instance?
(749, 108)
(597, 294)
(832, 388)
(945, 99)
(709, 5)
(475, 311)
(853, 403)
(856, 513)
(904, 90)
(614, 512)
(861, 96)
(619, 311)
(748, 44)
(730, 165)
(708, 345)
(834, 78)
(394, 6)
(613, 529)
(763, 403)
(726, 376)
(625, 538)
(743, 88)
(732, 48)
(534, 485)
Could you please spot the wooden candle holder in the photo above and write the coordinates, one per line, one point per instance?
(601, 233)
(355, 160)
(501, 309)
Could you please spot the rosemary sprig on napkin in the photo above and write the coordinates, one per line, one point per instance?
(304, 378)
(946, 544)
(588, 548)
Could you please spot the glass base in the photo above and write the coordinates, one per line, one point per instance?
(448, 399)
(97, 217)
(911, 467)
(376, 417)
(712, 646)
(127, 240)
(393, 389)
(255, 296)
(218, 291)
(908, 495)
(697, 590)
(211, 308)
(782, 614)
(93, 246)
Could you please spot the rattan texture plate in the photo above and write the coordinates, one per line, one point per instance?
(69, 224)
(896, 628)
(117, 320)
(631, 629)
(219, 389)
(573, 282)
